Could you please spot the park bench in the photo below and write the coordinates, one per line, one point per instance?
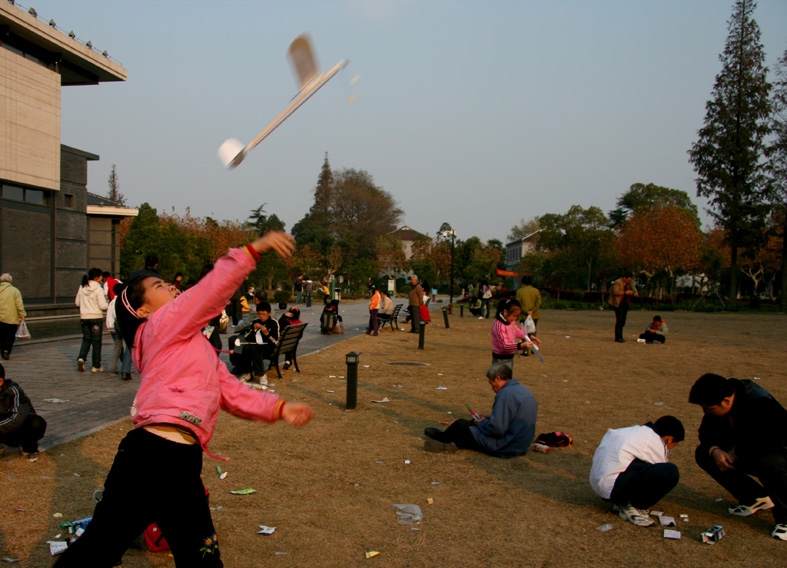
(391, 319)
(288, 346)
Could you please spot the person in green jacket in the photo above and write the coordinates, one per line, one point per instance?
(12, 311)
(529, 298)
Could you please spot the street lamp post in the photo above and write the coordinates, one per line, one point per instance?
(446, 229)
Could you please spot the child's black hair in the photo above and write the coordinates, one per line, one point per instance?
(92, 274)
(264, 307)
(129, 301)
(670, 426)
(508, 304)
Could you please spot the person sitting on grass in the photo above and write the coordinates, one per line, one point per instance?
(506, 433)
(474, 305)
(656, 331)
(20, 426)
(743, 434)
(631, 467)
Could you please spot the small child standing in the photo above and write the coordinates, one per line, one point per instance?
(505, 334)
(156, 473)
(656, 331)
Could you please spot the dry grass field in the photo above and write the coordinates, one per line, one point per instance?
(329, 487)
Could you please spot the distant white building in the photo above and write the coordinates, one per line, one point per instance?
(515, 250)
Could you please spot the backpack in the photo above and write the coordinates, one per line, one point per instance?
(554, 439)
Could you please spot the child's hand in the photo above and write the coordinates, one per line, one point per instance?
(282, 243)
(536, 340)
(297, 413)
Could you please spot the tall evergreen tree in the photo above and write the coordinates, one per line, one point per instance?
(320, 210)
(114, 187)
(728, 157)
(778, 164)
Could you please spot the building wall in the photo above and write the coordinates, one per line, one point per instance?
(29, 122)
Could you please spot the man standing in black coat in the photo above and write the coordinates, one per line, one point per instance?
(743, 434)
(20, 426)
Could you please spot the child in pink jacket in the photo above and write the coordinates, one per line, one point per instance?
(505, 334)
(156, 473)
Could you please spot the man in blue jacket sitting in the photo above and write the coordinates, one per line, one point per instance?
(506, 433)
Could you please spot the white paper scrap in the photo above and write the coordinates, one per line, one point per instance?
(57, 546)
(266, 530)
(667, 521)
(385, 399)
(668, 533)
(442, 388)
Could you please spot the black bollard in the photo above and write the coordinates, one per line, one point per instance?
(461, 310)
(352, 379)
(445, 317)
(421, 331)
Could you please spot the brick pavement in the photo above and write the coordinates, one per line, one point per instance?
(81, 403)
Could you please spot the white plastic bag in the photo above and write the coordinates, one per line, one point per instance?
(530, 325)
(22, 332)
(409, 514)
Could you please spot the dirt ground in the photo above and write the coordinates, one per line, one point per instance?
(329, 487)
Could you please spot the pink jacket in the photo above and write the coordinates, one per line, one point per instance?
(504, 336)
(183, 382)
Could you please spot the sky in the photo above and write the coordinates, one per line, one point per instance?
(479, 114)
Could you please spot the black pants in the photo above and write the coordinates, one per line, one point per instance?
(372, 322)
(459, 433)
(651, 336)
(415, 318)
(32, 430)
(7, 336)
(91, 337)
(258, 355)
(620, 318)
(769, 468)
(644, 484)
(151, 480)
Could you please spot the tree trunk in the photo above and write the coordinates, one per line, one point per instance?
(733, 271)
(783, 294)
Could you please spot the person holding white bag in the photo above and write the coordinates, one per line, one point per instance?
(530, 299)
(12, 312)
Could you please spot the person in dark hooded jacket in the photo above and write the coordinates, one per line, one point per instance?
(19, 424)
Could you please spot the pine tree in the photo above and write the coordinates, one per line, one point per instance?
(778, 164)
(728, 157)
(320, 210)
(114, 187)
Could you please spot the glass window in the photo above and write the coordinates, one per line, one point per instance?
(13, 192)
(37, 197)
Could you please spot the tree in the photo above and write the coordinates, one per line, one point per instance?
(663, 237)
(114, 187)
(389, 255)
(580, 246)
(641, 196)
(262, 222)
(728, 156)
(778, 166)
(361, 210)
(320, 210)
(523, 229)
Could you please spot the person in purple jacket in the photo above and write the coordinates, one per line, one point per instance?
(155, 477)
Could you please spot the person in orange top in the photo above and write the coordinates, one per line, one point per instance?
(374, 306)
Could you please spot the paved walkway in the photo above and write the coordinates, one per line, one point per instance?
(75, 404)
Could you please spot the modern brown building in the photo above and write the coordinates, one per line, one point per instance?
(51, 229)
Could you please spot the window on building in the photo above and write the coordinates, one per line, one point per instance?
(13, 192)
(36, 197)
(68, 201)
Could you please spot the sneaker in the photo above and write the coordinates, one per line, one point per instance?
(761, 504)
(780, 531)
(480, 317)
(261, 379)
(633, 515)
(439, 447)
(81, 365)
(245, 377)
(126, 376)
(97, 370)
(5, 355)
(33, 457)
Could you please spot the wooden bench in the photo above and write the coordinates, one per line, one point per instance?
(392, 319)
(288, 346)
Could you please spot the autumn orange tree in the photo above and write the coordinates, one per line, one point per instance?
(664, 237)
(389, 255)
